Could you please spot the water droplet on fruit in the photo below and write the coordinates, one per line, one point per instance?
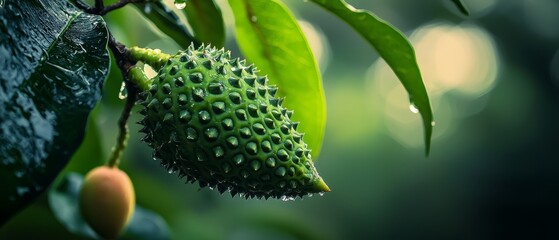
(286, 198)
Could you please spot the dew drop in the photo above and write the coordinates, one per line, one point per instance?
(413, 108)
(147, 8)
(433, 123)
(321, 194)
(123, 93)
(254, 19)
(180, 5)
(286, 198)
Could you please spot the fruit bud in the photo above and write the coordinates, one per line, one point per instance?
(107, 200)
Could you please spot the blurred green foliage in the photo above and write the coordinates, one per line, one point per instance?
(492, 176)
(264, 29)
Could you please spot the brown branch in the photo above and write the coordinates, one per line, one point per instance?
(100, 8)
(120, 53)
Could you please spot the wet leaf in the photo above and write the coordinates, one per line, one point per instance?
(64, 203)
(168, 22)
(54, 60)
(204, 16)
(269, 36)
(394, 48)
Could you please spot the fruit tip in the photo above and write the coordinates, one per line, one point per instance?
(322, 186)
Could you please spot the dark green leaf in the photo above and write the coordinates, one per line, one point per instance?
(168, 22)
(64, 203)
(461, 7)
(269, 36)
(53, 60)
(394, 48)
(146, 224)
(204, 16)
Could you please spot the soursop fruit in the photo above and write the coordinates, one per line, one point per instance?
(214, 120)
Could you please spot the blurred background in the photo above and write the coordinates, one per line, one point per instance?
(493, 171)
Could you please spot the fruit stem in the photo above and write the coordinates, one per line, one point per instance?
(124, 64)
(153, 57)
(123, 135)
(137, 76)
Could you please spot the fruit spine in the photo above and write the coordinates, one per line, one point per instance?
(215, 121)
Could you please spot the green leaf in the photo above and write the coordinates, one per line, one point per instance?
(269, 36)
(168, 22)
(64, 203)
(204, 16)
(461, 7)
(394, 48)
(146, 224)
(54, 60)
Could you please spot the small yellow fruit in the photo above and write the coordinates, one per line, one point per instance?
(107, 200)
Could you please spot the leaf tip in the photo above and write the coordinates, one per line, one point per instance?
(463, 9)
(428, 125)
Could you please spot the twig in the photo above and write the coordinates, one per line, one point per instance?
(118, 5)
(120, 53)
(100, 8)
(99, 4)
(83, 6)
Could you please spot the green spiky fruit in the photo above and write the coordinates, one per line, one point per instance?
(212, 119)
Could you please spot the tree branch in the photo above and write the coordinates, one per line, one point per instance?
(120, 53)
(100, 8)
(99, 4)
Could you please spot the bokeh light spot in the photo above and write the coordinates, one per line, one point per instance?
(459, 64)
